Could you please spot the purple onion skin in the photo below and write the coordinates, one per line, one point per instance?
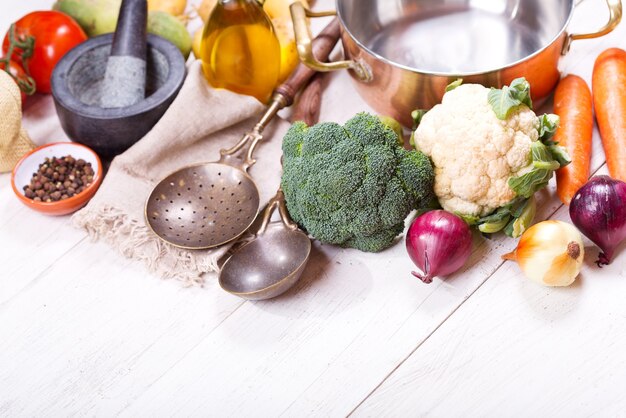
(438, 243)
(598, 209)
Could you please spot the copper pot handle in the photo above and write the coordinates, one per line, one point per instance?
(615, 15)
(303, 36)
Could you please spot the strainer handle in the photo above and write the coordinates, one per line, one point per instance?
(307, 110)
(284, 95)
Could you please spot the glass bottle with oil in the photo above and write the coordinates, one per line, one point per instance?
(240, 50)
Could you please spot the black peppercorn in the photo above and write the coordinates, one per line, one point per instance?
(59, 179)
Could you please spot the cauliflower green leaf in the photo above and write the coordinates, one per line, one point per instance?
(543, 166)
(545, 160)
(508, 98)
(456, 83)
(548, 124)
(522, 218)
(513, 218)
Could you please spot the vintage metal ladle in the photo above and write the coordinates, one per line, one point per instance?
(274, 261)
(271, 263)
(207, 205)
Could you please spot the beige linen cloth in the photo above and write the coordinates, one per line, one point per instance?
(199, 123)
(14, 141)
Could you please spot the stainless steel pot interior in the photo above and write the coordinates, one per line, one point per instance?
(451, 37)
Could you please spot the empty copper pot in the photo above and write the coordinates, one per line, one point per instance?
(403, 53)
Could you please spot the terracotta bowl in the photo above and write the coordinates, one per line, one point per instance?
(29, 164)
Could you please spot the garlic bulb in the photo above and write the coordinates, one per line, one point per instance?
(550, 253)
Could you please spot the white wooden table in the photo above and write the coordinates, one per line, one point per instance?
(84, 331)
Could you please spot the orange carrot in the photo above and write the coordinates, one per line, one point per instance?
(609, 101)
(572, 102)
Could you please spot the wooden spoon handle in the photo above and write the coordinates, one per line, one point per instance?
(309, 103)
(323, 44)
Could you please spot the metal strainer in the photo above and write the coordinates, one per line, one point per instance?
(210, 204)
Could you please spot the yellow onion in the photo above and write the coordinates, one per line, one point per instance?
(550, 253)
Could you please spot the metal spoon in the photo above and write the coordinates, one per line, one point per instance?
(273, 262)
(207, 205)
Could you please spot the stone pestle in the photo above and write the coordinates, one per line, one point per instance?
(125, 77)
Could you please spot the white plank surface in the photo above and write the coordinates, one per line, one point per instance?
(516, 348)
(86, 332)
(519, 349)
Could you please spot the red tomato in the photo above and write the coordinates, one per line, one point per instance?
(25, 83)
(54, 34)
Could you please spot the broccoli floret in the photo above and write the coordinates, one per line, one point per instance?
(353, 185)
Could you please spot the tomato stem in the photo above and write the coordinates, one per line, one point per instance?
(27, 47)
(27, 85)
(26, 44)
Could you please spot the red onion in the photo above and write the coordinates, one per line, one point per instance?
(598, 210)
(439, 243)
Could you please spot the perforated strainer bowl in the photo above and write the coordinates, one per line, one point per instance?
(203, 205)
(210, 204)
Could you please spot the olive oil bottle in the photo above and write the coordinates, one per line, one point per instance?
(240, 50)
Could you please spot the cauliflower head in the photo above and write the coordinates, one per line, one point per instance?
(475, 153)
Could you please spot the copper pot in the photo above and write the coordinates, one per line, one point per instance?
(403, 53)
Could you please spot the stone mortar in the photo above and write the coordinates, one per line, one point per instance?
(76, 88)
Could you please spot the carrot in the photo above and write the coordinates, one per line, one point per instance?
(572, 102)
(609, 101)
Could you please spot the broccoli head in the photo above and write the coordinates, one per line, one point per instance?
(353, 185)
